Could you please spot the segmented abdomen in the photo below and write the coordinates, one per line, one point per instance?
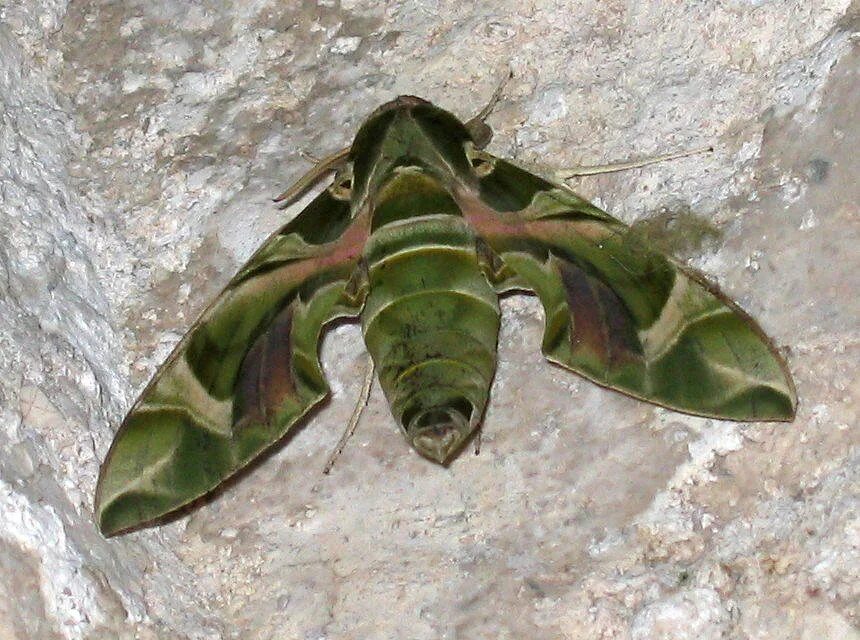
(431, 320)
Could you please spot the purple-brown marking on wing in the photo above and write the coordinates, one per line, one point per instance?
(588, 330)
(600, 322)
(265, 377)
(624, 345)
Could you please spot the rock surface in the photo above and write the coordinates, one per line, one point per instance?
(139, 145)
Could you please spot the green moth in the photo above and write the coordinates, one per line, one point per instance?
(417, 235)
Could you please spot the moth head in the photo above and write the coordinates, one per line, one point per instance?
(438, 433)
(408, 131)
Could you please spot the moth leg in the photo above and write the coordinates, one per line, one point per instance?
(358, 285)
(479, 130)
(500, 276)
(328, 164)
(571, 172)
(353, 420)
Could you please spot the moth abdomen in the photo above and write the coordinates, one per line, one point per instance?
(431, 323)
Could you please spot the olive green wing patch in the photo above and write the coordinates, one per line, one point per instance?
(622, 314)
(242, 376)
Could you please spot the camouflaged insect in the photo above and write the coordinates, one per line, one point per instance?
(417, 236)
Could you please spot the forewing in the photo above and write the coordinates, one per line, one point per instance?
(620, 313)
(241, 377)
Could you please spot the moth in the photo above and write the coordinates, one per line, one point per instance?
(417, 235)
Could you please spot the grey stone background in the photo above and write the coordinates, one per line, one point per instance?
(140, 143)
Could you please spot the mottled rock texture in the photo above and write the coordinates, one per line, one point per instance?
(139, 145)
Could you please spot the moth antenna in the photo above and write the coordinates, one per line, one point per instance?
(480, 131)
(494, 99)
(322, 167)
(353, 420)
(307, 155)
(572, 172)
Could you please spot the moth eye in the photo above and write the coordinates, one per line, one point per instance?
(342, 189)
(482, 166)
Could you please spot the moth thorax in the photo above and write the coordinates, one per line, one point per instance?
(439, 432)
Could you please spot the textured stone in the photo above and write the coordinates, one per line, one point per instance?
(140, 143)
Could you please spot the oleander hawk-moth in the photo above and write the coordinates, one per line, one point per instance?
(418, 234)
